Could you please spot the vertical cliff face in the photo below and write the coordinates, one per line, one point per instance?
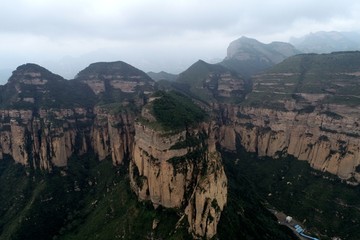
(182, 171)
(50, 138)
(42, 140)
(329, 139)
(113, 134)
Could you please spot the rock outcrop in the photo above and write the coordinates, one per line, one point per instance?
(182, 171)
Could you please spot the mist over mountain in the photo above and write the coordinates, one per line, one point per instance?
(157, 76)
(327, 42)
(4, 75)
(248, 56)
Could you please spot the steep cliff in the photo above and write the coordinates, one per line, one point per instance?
(326, 142)
(180, 169)
(113, 134)
(190, 178)
(51, 137)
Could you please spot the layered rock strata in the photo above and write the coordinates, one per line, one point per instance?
(48, 138)
(329, 139)
(182, 171)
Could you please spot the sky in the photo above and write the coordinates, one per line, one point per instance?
(65, 36)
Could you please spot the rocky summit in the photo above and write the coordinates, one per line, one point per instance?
(166, 147)
(248, 56)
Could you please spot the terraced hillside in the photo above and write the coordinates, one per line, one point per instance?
(310, 79)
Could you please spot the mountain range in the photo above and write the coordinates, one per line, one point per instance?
(327, 42)
(113, 153)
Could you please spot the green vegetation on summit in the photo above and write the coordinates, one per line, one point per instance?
(174, 111)
(87, 200)
(32, 86)
(105, 70)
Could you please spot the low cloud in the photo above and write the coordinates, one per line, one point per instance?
(154, 30)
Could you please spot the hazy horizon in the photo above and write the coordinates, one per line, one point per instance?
(66, 36)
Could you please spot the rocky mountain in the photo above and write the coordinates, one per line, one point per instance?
(179, 169)
(115, 81)
(248, 56)
(327, 42)
(32, 86)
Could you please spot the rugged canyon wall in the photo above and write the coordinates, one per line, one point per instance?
(48, 138)
(113, 135)
(40, 140)
(329, 139)
(182, 171)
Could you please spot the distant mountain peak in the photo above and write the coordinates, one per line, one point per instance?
(200, 61)
(244, 48)
(157, 76)
(28, 71)
(327, 42)
(248, 56)
(31, 68)
(104, 68)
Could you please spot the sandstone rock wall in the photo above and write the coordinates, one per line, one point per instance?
(50, 137)
(112, 135)
(329, 139)
(190, 178)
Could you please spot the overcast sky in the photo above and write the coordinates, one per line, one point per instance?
(154, 35)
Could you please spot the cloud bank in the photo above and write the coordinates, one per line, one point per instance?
(152, 34)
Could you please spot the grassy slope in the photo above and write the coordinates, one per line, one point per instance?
(321, 201)
(312, 73)
(245, 215)
(93, 201)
